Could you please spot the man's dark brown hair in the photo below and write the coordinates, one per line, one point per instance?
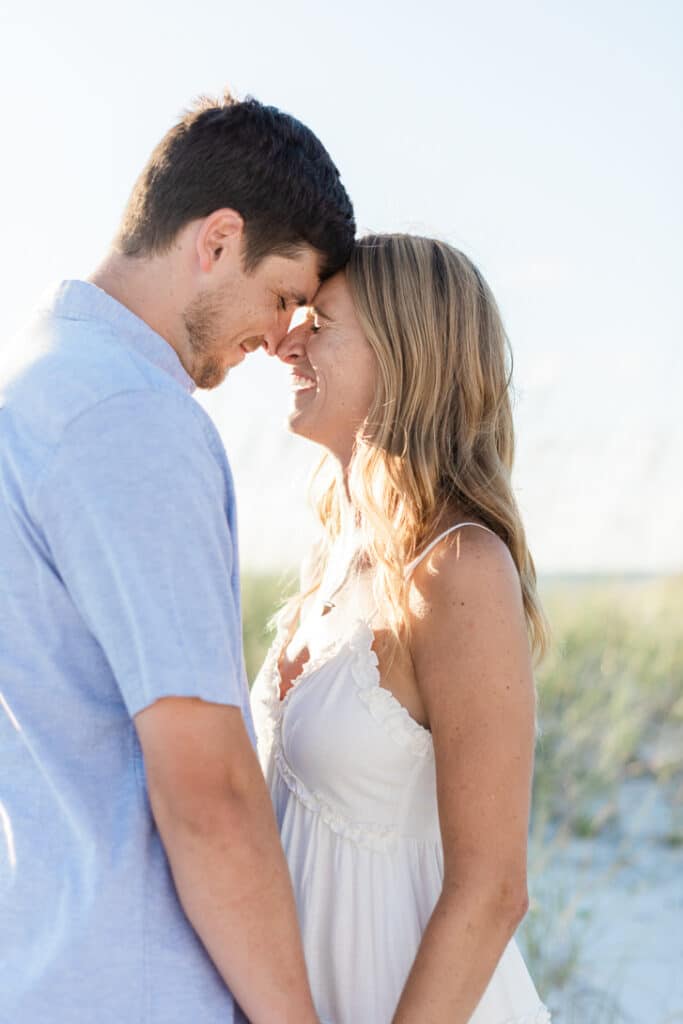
(251, 158)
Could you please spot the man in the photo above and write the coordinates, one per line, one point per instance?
(141, 875)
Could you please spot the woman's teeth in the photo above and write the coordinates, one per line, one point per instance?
(300, 383)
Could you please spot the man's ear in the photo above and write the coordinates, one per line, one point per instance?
(220, 234)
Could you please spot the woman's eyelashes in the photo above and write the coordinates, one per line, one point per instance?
(311, 321)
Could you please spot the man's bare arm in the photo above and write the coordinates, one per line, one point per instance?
(215, 818)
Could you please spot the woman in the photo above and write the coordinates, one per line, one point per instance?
(395, 711)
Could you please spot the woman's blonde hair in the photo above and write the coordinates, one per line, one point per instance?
(439, 432)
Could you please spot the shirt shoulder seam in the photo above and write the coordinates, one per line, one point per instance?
(178, 396)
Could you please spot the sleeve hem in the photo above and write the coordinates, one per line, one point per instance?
(207, 696)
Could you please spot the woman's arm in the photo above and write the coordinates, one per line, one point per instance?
(473, 667)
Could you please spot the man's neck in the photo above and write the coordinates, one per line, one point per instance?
(147, 288)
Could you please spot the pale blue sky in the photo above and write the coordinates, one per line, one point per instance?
(545, 139)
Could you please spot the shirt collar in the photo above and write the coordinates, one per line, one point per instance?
(82, 300)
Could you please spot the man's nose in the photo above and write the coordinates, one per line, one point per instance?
(293, 345)
(273, 338)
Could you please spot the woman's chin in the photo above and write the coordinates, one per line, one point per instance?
(301, 417)
(299, 423)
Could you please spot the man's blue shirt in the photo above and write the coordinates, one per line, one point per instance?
(119, 585)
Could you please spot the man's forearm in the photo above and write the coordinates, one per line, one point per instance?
(234, 885)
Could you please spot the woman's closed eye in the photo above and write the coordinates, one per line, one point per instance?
(311, 321)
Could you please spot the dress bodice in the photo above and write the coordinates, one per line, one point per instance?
(342, 740)
(343, 743)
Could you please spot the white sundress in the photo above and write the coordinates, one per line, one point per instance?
(352, 779)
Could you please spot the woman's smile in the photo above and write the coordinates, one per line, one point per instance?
(302, 382)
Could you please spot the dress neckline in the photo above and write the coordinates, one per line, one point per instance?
(357, 645)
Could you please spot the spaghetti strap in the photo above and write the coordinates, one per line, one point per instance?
(416, 561)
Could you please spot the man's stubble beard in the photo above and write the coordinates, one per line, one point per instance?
(200, 318)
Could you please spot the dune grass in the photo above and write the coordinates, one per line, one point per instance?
(610, 698)
(611, 715)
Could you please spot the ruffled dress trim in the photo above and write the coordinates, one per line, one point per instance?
(380, 702)
(382, 705)
(371, 837)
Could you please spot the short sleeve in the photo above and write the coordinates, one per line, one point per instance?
(134, 510)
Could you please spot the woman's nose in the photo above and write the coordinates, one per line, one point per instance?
(293, 345)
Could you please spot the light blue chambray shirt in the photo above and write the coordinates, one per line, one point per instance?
(119, 585)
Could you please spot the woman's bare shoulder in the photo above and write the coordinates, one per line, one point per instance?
(467, 568)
